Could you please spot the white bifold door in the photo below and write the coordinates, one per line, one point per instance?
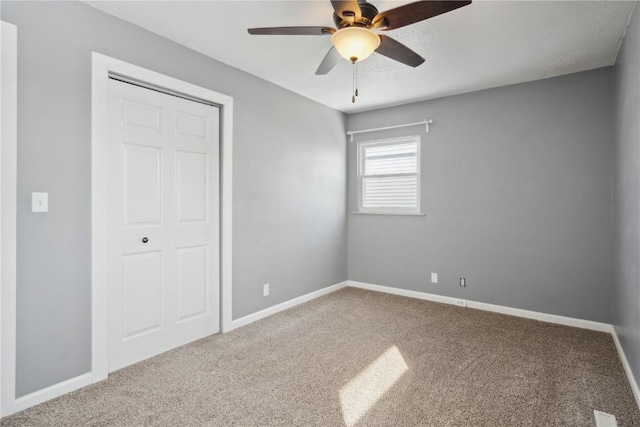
(163, 222)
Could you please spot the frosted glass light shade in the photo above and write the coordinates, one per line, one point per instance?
(355, 43)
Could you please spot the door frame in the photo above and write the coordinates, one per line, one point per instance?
(8, 204)
(101, 67)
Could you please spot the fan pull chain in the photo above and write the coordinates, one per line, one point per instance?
(354, 81)
(356, 65)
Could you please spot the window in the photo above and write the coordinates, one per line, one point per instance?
(389, 176)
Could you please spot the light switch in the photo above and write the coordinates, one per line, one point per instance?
(39, 202)
(434, 277)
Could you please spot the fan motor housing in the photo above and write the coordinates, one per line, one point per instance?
(367, 12)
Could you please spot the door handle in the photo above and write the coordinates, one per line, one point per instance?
(145, 240)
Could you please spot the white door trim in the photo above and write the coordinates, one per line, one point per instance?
(101, 66)
(8, 168)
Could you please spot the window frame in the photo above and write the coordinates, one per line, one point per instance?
(360, 167)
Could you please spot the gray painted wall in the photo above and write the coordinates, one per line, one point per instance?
(289, 181)
(626, 283)
(516, 187)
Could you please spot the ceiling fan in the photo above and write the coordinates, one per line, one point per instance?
(355, 38)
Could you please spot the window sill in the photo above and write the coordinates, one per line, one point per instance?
(390, 213)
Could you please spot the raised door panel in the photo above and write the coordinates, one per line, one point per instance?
(141, 294)
(192, 189)
(141, 185)
(192, 279)
(195, 127)
(192, 125)
(141, 115)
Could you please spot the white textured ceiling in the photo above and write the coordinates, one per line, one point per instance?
(483, 45)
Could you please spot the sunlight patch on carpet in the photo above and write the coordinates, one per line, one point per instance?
(363, 391)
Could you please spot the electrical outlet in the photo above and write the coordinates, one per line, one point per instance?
(461, 303)
(434, 277)
(463, 282)
(265, 289)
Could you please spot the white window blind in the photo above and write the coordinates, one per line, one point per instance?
(389, 176)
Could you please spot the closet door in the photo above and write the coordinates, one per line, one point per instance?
(163, 222)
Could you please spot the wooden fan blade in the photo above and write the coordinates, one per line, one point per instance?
(331, 59)
(349, 10)
(395, 50)
(415, 12)
(292, 31)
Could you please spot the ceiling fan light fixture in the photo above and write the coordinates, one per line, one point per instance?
(355, 43)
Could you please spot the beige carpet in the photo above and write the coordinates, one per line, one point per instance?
(361, 358)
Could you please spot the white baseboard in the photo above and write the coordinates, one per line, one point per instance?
(72, 384)
(235, 324)
(51, 392)
(80, 381)
(544, 317)
(627, 367)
